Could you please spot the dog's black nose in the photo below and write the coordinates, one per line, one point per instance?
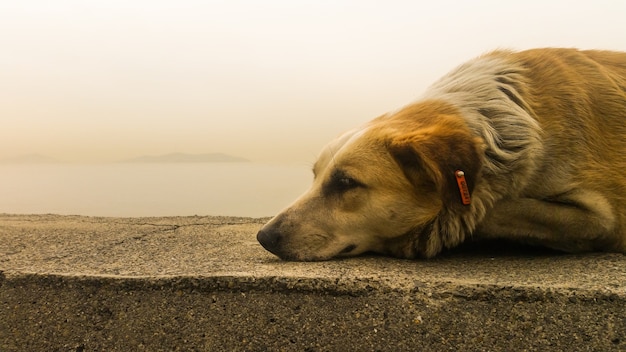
(269, 240)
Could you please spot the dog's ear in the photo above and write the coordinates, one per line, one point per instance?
(431, 159)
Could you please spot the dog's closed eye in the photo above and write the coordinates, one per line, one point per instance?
(347, 183)
(341, 182)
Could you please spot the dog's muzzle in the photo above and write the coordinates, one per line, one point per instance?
(270, 240)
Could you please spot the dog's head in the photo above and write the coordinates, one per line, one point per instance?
(379, 188)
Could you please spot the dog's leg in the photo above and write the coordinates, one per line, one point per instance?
(574, 221)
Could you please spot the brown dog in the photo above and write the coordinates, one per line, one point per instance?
(528, 146)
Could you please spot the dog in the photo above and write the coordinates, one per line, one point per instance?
(527, 146)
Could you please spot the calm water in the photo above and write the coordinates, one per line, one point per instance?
(237, 189)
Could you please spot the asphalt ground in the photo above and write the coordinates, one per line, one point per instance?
(72, 283)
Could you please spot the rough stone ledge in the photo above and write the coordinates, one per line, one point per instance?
(71, 283)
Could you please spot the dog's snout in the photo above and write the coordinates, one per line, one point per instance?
(269, 239)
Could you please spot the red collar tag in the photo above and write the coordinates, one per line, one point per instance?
(463, 189)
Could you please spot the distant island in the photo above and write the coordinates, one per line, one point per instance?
(186, 158)
(29, 159)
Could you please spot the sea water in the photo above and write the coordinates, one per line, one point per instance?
(130, 190)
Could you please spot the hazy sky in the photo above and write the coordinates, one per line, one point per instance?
(268, 80)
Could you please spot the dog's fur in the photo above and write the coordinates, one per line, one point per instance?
(539, 134)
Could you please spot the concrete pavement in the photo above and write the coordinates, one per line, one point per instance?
(71, 283)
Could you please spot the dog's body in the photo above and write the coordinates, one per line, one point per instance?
(539, 135)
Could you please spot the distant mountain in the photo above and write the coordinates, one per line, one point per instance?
(186, 158)
(29, 159)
